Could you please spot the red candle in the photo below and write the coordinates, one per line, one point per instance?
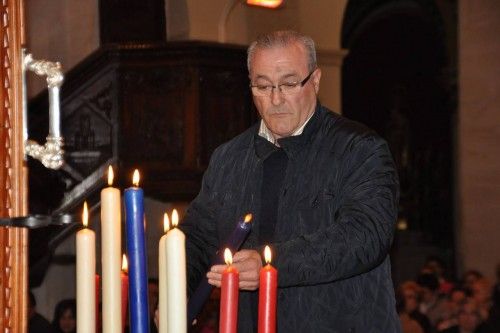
(268, 287)
(228, 321)
(124, 279)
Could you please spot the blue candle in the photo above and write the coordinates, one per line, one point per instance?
(233, 242)
(136, 249)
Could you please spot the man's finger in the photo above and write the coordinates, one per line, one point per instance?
(218, 269)
(242, 255)
(215, 283)
(248, 285)
(251, 275)
(214, 276)
(250, 264)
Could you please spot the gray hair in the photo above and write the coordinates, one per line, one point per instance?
(283, 38)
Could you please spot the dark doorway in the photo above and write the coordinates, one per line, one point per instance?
(393, 80)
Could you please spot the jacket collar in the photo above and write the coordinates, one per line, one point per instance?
(292, 144)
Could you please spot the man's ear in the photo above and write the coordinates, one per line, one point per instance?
(316, 78)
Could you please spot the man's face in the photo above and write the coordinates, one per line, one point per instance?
(435, 267)
(411, 300)
(283, 114)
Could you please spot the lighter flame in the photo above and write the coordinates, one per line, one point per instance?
(267, 254)
(85, 215)
(111, 175)
(265, 3)
(175, 218)
(166, 223)
(228, 257)
(248, 218)
(124, 263)
(135, 178)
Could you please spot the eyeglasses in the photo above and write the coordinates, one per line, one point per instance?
(286, 88)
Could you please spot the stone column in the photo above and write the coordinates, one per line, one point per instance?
(479, 136)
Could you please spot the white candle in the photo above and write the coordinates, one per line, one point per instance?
(85, 277)
(162, 277)
(111, 257)
(176, 278)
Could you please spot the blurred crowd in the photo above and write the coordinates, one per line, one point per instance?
(432, 303)
(429, 304)
(64, 318)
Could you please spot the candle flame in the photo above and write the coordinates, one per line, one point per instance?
(248, 218)
(135, 178)
(228, 257)
(267, 254)
(124, 263)
(166, 223)
(111, 175)
(272, 4)
(175, 218)
(85, 215)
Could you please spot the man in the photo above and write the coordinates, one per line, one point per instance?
(323, 191)
(36, 322)
(437, 266)
(469, 319)
(432, 304)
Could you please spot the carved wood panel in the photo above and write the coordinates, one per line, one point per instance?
(164, 107)
(13, 241)
(156, 100)
(160, 108)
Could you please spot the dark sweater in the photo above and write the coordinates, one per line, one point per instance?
(38, 324)
(274, 169)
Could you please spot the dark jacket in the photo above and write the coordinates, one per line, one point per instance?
(38, 324)
(334, 228)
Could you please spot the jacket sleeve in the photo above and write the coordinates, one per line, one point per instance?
(363, 226)
(199, 225)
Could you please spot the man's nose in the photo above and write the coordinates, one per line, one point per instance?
(276, 96)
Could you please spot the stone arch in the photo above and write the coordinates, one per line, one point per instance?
(396, 80)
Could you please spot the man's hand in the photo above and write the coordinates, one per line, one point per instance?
(247, 262)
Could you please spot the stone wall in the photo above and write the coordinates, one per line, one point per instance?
(478, 157)
(60, 30)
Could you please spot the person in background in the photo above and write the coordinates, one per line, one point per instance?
(470, 277)
(481, 293)
(153, 290)
(410, 291)
(469, 319)
(492, 324)
(457, 296)
(406, 302)
(36, 322)
(64, 320)
(454, 302)
(432, 304)
(437, 266)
